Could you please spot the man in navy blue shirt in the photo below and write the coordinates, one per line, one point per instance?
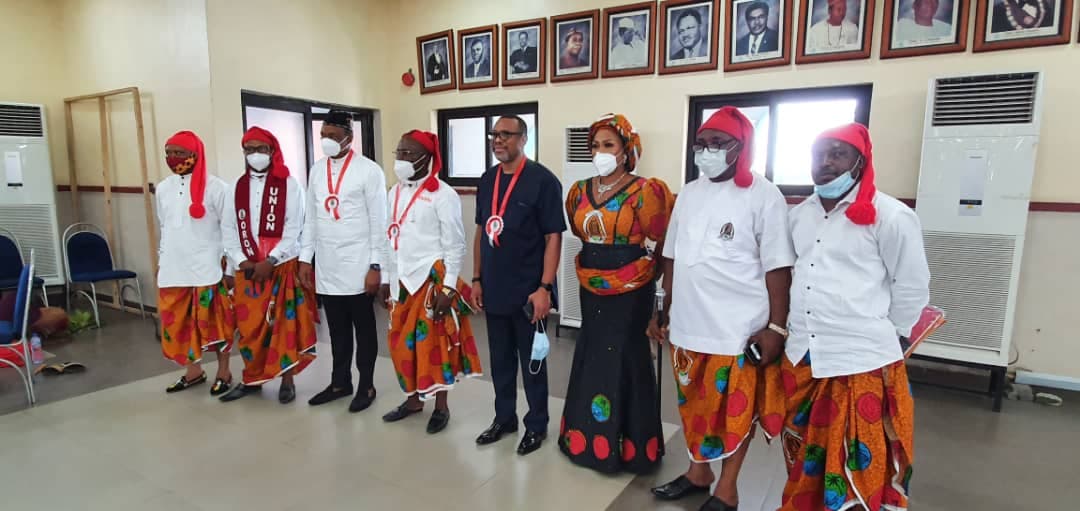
(519, 219)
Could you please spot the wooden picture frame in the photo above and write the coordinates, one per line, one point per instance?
(471, 76)
(529, 68)
(586, 26)
(441, 76)
(628, 62)
(693, 14)
(988, 17)
(735, 52)
(809, 50)
(929, 41)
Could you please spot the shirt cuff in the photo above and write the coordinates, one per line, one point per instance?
(450, 280)
(307, 256)
(236, 257)
(384, 277)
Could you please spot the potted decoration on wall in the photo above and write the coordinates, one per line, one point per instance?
(435, 53)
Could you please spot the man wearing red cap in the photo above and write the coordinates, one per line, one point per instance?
(860, 281)
(196, 312)
(431, 340)
(275, 314)
(345, 236)
(727, 267)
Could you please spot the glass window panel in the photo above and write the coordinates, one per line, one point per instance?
(467, 143)
(759, 117)
(288, 128)
(798, 123)
(530, 143)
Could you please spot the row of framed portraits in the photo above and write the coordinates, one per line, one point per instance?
(622, 41)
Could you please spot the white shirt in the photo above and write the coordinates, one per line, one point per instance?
(823, 37)
(190, 249)
(289, 246)
(724, 239)
(629, 56)
(909, 31)
(347, 247)
(432, 230)
(855, 288)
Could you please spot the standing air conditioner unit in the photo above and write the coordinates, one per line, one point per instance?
(978, 159)
(28, 194)
(578, 166)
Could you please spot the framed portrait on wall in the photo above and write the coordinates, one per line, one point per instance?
(629, 40)
(575, 45)
(435, 53)
(688, 35)
(525, 58)
(1008, 24)
(924, 27)
(478, 58)
(757, 34)
(831, 30)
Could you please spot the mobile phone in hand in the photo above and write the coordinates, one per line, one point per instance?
(529, 310)
(753, 353)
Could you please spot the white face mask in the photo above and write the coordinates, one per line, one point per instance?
(605, 163)
(712, 164)
(331, 147)
(258, 161)
(540, 348)
(404, 169)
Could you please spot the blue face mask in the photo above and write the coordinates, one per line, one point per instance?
(836, 188)
(540, 348)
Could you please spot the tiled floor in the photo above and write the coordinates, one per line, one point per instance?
(110, 439)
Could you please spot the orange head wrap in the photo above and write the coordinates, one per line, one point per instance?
(862, 212)
(430, 141)
(277, 161)
(731, 121)
(193, 143)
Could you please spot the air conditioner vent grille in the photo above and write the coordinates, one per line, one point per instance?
(577, 145)
(984, 100)
(21, 121)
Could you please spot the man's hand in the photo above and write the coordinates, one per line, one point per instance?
(443, 302)
(541, 302)
(657, 333)
(384, 295)
(230, 282)
(247, 265)
(771, 344)
(371, 282)
(477, 296)
(263, 270)
(307, 275)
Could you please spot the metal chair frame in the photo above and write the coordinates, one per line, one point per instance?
(18, 246)
(70, 286)
(22, 348)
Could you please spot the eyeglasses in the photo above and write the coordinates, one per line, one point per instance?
(502, 135)
(264, 149)
(404, 154)
(715, 148)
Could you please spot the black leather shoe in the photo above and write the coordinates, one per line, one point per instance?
(439, 420)
(183, 384)
(220, 386)
(238, 392)
(401, 412)
(329, 394)
(677, 489)
(495, 433)
(286, 394)
(362, 401)
(531, 442)
(715, 504)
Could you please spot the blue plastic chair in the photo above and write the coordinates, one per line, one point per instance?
(11, 264)
(15, 336)
(89, 260)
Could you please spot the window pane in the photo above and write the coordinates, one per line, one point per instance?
(759, 117)
(288, 128)
(467, 142)
(798, 123)
(530, 143)
(316, 136)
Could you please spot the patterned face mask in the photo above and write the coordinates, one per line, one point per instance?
(180, 165)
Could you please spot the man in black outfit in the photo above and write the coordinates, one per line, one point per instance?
(761, 38)
(519, 219)
(523, 59)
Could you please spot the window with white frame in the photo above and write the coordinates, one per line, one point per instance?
(463, 133)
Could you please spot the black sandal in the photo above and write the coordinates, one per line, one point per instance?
(220, 386)
(184, 384)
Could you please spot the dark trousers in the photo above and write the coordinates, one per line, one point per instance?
(510, 341)
(346, 315)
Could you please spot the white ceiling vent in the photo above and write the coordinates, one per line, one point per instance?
(986, 99)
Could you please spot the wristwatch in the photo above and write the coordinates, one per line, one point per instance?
(376, 267)
(549, 287)
(273, 260)
(779, 329)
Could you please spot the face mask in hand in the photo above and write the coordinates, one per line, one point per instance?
(258, 161)
(540, 348)
(712, 164)
(605, 163)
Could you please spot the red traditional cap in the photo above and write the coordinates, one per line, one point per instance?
(277, 160)
(430, 141)
(191, 142)
(862, 212)
(731, 121)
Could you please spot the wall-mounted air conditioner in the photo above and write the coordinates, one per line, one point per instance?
(577, 166)
(978, 159)
(27, 190)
